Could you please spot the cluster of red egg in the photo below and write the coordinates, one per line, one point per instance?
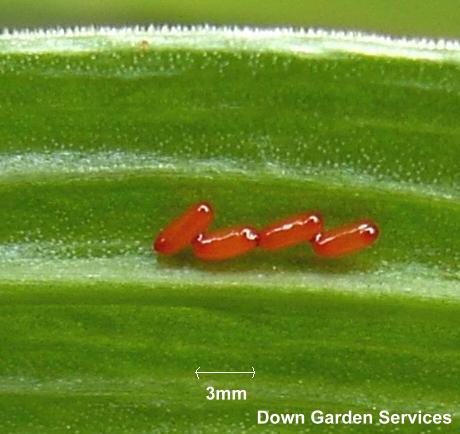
(191, 227)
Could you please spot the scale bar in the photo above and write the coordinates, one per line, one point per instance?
(198, 372)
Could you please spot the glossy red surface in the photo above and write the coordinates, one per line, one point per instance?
(346, 240)
(290, 231)
(225, 243)
(184, 229)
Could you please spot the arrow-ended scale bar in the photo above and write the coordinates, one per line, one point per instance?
(198, 372)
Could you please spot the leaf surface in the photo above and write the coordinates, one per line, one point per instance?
(107, 135)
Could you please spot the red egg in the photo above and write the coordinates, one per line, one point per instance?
(346, 239)
(290, 231)
(225, 243)
(184, 229)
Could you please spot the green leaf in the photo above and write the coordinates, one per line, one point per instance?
(109, 134)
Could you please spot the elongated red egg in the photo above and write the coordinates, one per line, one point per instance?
(225, 243)
(184, 229)
(292, 230)
(346, 239)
